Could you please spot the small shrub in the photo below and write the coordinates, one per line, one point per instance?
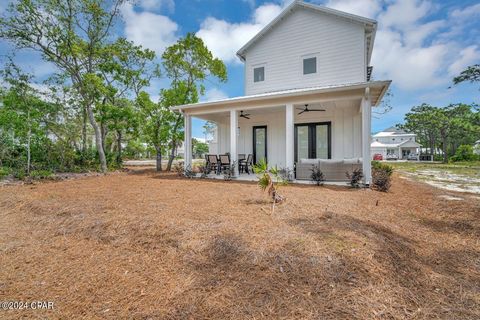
(189, 173)
(228, 173)
(4, 172)
(381, 180)
(40, 174)
(317, 176)
(464, 153)
(179, 168)
(19, 174)
(286, 174)
(376, 165)
(202, 169)
(269, 181)
(355, 177)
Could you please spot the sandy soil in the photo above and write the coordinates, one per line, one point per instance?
(140, 245)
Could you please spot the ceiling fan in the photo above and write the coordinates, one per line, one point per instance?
(244, 115)
(308, 110)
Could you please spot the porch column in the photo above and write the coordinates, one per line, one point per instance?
(233, 139)
(289, 136)
(366, 136)
(187, 143)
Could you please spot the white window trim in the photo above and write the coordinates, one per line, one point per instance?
(259, 65)
(307, 56)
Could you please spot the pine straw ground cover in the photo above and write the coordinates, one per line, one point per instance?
(141, 245)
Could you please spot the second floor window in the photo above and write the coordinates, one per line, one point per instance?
(310, 65)
(259, 74)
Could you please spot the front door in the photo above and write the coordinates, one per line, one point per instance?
(313, 141)
(259, 143)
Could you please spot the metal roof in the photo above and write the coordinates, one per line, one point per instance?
(377, 90)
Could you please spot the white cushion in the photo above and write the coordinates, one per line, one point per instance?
(351, 161)
(309, 161)
(331, 161)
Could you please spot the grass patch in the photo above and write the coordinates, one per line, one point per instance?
(471, 169)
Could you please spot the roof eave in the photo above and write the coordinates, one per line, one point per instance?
(289, 93)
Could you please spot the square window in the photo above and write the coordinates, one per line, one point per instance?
(310, 65)
(259, 74)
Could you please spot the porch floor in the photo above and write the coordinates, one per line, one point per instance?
(252, 177)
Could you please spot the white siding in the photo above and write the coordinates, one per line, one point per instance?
(338, 44)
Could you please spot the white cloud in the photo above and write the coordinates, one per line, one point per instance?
(157, 4)
(405, 13)
(468, 12)
(213, 95)
(468, 56)
(366, 8)
(410, 51)
(224, 38)
(148, 29)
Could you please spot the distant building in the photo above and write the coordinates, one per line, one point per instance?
(394, 141)
(476, 147)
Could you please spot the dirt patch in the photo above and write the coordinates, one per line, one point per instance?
(447, 180)
(142, 245)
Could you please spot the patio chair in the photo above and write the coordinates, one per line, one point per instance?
(245, 164)
(212, 163)
(241, 157)
(224, 162)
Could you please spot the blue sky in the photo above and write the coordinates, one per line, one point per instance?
(420, 44)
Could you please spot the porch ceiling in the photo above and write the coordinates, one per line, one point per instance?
(329, 106)
(297, 97)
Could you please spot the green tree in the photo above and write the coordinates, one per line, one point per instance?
(199, 148)
(471, 74)
(421, 121)
(156, 123)
(23, 111)
(76, 36)
(122, 120)
(444, 128)
(188, 64)
(209, 130)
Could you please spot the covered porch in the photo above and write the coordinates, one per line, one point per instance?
(334, 130)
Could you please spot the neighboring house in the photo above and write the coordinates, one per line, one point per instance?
(394, 141)
(308, 94)
(476, 147)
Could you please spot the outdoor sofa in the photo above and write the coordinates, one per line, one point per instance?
(333, 169)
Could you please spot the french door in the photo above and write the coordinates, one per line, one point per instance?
(313, 141)
(259, 143)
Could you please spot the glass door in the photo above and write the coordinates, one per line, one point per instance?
(303, 138)
(259, 143)
(313, 141)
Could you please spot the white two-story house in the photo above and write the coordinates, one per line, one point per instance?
(393, 141)
(308, 93)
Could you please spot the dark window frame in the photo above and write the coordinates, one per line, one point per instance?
(255, 68)
(255, 144)
(312, 139)
(303, 65)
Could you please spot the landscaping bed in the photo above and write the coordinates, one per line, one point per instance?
(143, 245)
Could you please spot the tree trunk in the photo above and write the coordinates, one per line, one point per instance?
(174, 142)
(98, 139)
(159, 159)
(444, 148)
(29, 140)
(84, 130)
(119, 148)
(103, 134)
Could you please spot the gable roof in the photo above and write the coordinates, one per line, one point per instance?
(405, 144)
(370, 24)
